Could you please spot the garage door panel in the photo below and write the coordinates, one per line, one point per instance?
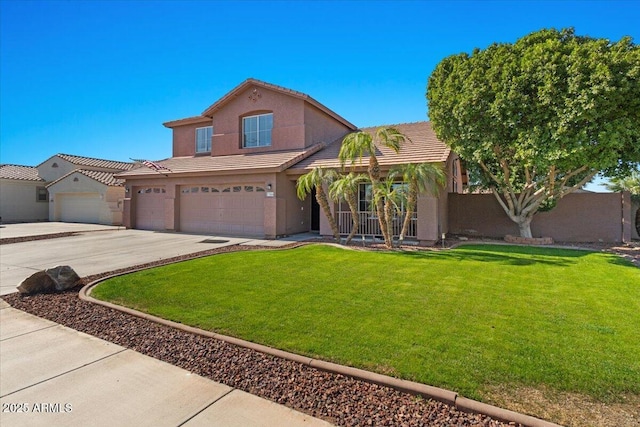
(79, 207)
(150, 208)
(237, 211)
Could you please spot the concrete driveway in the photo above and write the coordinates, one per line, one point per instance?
(95, 249)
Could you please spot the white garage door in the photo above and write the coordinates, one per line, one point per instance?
(150, 208)
(79, 207)
(224, 209)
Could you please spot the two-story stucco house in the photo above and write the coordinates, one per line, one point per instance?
(234, 168)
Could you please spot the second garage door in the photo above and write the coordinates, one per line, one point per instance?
(150, 208)
(231, 209)
(79, 207)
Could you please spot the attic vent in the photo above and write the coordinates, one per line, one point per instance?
(55, 165)
(255, 95)
(76, 179)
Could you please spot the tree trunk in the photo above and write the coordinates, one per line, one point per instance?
(352, 201)
(525, 227)
(374, 176)
(388, 219)
(321, 197)
(411, 203)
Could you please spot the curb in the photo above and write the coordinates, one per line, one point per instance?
(445, 396)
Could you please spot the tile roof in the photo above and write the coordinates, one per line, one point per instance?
(98, 163)
(254, 82)
(23, 173)
(424, 147)
(187, 121)
(276, 161)
(106, 178)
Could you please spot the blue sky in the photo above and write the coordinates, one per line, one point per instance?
(98, 78)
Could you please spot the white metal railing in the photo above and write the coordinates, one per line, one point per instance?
(370, 226)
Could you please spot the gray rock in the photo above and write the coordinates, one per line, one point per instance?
(56, 279)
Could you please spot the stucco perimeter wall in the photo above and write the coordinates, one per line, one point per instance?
(18, 201)
(578, 217)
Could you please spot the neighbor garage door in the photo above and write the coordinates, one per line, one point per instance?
(79, 207)
(150, 208)
(226, 209)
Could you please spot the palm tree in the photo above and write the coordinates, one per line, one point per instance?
(317, 178)
(420, 178)
(358, 144)
(346, 188)
(392, 195)
(630, 183)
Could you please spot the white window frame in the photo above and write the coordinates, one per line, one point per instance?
(203, 143)
(259, 143)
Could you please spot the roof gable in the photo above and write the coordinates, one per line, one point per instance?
(106, 178)
(92, 162)
(295, 94)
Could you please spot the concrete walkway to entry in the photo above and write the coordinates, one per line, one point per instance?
(52, 375)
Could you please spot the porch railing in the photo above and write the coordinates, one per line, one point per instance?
(370, 226)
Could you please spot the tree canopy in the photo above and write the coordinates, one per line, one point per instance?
(537, 119)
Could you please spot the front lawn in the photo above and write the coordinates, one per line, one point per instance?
(468, 319)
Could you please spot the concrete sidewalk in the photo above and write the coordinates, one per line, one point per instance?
(51, 375)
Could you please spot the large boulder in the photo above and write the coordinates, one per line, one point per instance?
(56, 279)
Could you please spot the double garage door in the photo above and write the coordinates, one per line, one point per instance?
(79, 207)
(222, 209)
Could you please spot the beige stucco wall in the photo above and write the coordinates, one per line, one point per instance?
(18, 201)
(49, 173)
(110, 206)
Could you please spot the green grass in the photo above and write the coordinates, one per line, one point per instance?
(464, 319)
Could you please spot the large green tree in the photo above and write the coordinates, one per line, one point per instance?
(537, 119)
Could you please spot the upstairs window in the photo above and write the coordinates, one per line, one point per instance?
(203, 139)
(256, 130)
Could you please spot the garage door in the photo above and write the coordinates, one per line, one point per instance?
(150, 208)
(231, 210)
(79, 207)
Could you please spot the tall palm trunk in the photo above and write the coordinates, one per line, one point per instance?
(352, 201)
(412, 199)
(388, 216)
(374, 175)
(321, 197)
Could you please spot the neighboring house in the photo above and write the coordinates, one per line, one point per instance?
(23, 195)
(234, 168)
(69, 189)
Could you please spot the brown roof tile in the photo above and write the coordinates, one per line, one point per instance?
(106, 178)
(423, 148)
(98, 163)
(276, 161)
(23, 173)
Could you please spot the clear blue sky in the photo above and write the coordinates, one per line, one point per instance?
(98, 78)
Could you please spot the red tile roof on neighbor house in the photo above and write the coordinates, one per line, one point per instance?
(97, 163)
(254, 82)
(23, 173)
(424, 147)
(276, 161)
(106, 178)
